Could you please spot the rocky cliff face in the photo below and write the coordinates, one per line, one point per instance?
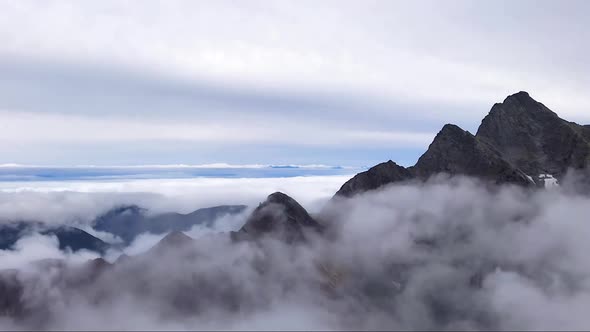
(456, 151)
(533, 138)
(374, 178)
(520, 141)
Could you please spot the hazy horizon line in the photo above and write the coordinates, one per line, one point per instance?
(182, 165)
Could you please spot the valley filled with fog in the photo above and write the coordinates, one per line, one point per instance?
(449, 253)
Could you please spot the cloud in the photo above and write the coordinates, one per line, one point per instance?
(36, 247)
(79, 202)
(448, 254)
(345, 50)
(143, 243)
(344, 77)
(151, 116)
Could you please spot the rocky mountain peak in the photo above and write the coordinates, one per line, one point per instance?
(374, 178)
(533, 138)
(451, 136)
(282, 216)
(452, 130)
(456, 151)
(284, 199)
(523, 103)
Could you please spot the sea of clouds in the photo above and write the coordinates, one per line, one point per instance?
(81, 201)
(448, 254)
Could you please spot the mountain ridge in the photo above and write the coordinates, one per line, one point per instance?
(520, 141)
(128, 221)
(68, 237)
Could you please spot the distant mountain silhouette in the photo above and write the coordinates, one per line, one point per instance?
(129, 221)
(69, 237)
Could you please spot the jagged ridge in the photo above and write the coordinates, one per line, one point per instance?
(518, 141)
(127, 222)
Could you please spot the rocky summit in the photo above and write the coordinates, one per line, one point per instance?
(456, 151)
(533, 138)
(375, 177)
(279, 215)
(520, 141)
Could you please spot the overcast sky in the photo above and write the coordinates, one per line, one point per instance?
(332, 82)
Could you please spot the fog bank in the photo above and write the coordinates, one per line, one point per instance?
(448, 254)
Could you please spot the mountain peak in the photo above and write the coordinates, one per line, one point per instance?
(280, 214)
(374, 178)
(281, 198)
(451, 127)
(451, 134)
(520, 104)
(128, 221)
(517, 141)
(519, 96)
(457, 151)
(533, 138)
(453, 130)
(68, 237)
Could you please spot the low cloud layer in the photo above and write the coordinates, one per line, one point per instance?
(79, 202)
(448, 254)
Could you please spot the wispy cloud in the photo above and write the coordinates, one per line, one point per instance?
(81, 201)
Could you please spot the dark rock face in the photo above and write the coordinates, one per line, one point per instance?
(127, 222)
(533, 138)
(69, 237)
(281, 216)
(124, 222)
(455, 151)
(374, 178)
(76, 239)
(520, 141)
